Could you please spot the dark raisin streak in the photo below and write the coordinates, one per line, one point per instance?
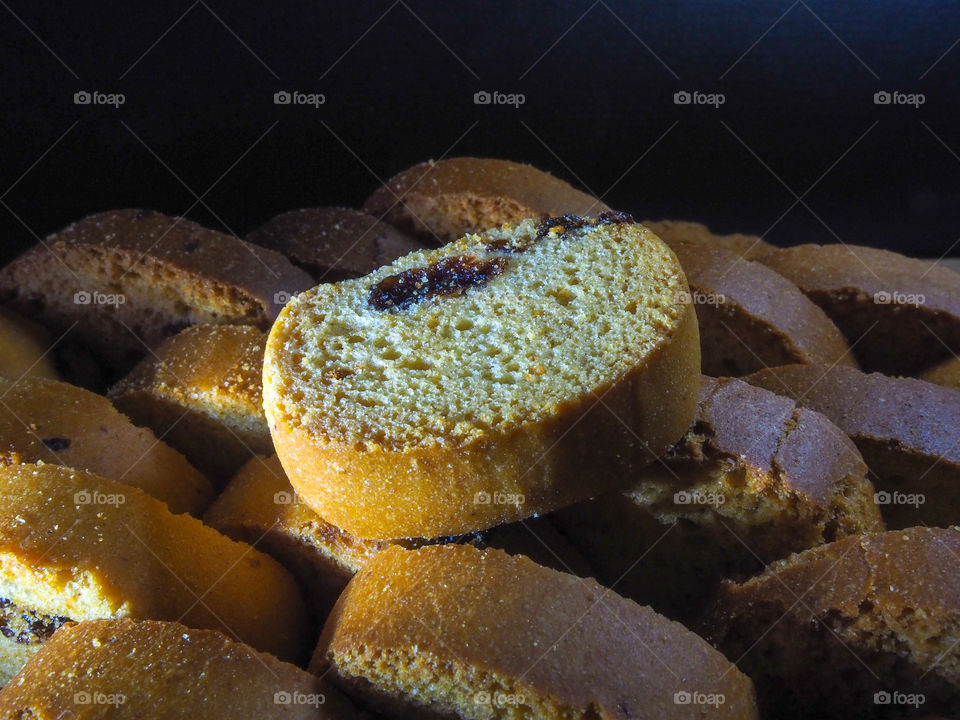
(449, 276)
(614, 217)
(27, 627)
(56, 444)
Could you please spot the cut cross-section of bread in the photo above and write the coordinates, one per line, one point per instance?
(334, 243)
(53, 422)
(441, 201)
(754, 479)
(124, 280)
(677, 231)
(201, 391)
(866, 627)
(906, 430)
(76, 546)
(24, 349)
(452, 631)
(501, 376)
(259, 505)
(752, 317)
(899, 314)
(124, 669)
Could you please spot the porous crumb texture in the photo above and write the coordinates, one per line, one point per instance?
(77, 546)
(901, 315)
(530, 643)
(441, 201)
(163, 669)
(170, 272)
(904, 428)
(755, 479)
(416, 366)
(823, 631)
(685, 231)
(201, 390)
(53, 422)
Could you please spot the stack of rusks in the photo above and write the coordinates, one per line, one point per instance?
(484, 448)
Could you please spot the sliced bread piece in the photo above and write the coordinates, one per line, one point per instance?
(900, 315)
(755, 478)
(24, 349)
(124, 669)
(905, 429)
(946, 373)
(452, 631)
(483, 382)
(751, 317)
(54, 422)
(866, 627)
(122, 281)
(76, 546)
(333, 243)
(201, 391)
(677, 231)
(441, 201)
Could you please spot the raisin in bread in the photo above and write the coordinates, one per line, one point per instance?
(441, 201)
(906, 430)
(122, 281)
(900, 314)
(54, 422)
(755, 478)
(334, 243)
(501, 376)
(201, 391)
(452, 631)
(76, 546)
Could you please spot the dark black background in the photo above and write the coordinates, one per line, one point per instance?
(399, 79)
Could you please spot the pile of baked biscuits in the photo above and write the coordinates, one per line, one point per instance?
(484, 448)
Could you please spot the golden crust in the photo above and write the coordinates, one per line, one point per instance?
(443, 628)
(153, 669)
(53, 422)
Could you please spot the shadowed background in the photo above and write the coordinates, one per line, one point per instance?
(798, 150)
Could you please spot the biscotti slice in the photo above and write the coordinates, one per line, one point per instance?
(755, 478)
(150, 669)
(333, 243)
(677, 231)
(24, 349)
(946, 373)
(441, 201)
(259, 505)
(122, 281)
(900, 315)
(201, 391)
(866, 627)
(751, 318)
(75, 546)
(452, 631)
(905, 429)
(54, 422)
(501, 376)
